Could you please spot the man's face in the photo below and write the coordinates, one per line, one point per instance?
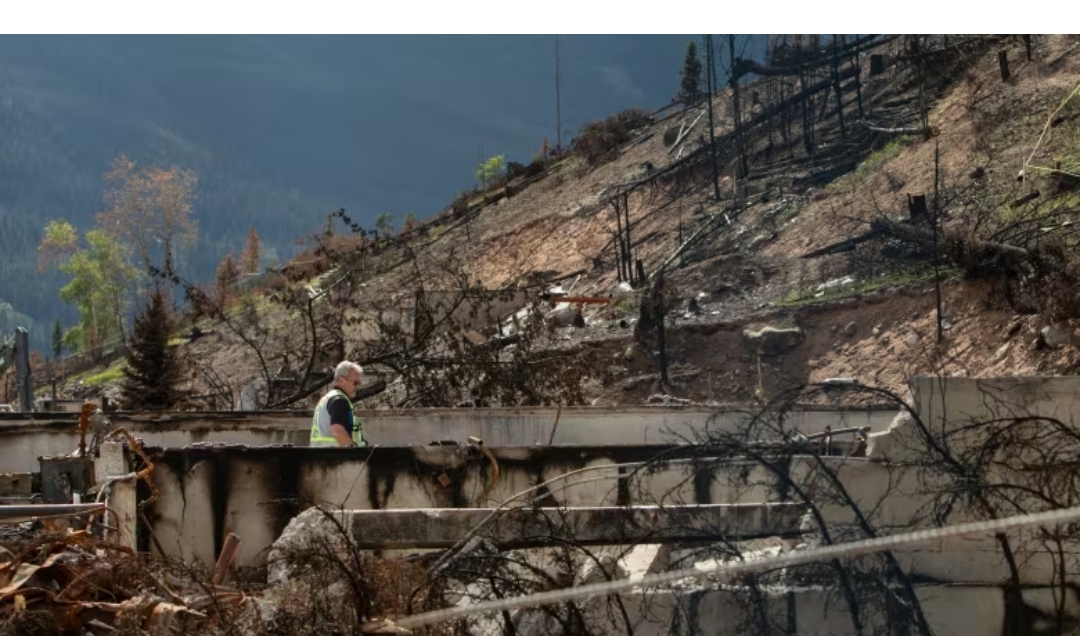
(351, 382)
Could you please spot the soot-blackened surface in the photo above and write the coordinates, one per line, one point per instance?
(283, 488)
(284, 465)
(703, 478)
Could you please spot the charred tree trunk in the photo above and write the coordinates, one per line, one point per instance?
(651, 322)
(825, 103)
(877, 64)
(805, 98)
(836, 85)
(711, 87)
(770, 90)
(807, 119)
(620, 257)
(740, 147)
(629, 244)
(920, 74)
(785, 117)
(855, 65)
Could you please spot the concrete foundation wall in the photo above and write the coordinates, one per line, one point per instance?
(973, 610)
(205, 493)
(25, 437)
(962, 400)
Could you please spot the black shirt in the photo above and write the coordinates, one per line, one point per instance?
(340, 412)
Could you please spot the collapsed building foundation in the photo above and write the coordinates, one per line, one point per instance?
(631, 508)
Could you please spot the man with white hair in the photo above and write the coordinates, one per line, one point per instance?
(334, 423)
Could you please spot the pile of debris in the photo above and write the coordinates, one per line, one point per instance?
(74, 583)
(69, 582)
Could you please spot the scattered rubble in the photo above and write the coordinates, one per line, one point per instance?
(566, 315)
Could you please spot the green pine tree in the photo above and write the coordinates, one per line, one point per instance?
(153, 373)
(690, 88)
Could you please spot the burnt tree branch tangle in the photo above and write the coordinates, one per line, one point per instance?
(1006, 470)
(856, 548)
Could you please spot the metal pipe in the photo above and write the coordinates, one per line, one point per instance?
(44, 510)
(839, 431)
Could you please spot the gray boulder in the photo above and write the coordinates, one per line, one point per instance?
(1056, 338)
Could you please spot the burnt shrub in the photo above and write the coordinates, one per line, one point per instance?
(599, 141)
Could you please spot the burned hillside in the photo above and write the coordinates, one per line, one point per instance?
(896, 203)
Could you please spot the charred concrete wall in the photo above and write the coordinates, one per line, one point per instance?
(25, 437)
(205, 493)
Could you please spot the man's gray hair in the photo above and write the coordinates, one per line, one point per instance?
(343, 369)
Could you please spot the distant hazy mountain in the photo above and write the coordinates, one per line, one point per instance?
(282, 130)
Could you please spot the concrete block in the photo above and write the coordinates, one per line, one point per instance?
(646, 558)
(122, 501)
(956, 401)
(112, 461)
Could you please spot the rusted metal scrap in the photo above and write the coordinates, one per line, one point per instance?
(144, 474)
(88, 407)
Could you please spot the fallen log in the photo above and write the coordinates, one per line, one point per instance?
(1027, 198)
(972, 255)
(847, 245)
(925, 131)
(690, 241)
(685, 132)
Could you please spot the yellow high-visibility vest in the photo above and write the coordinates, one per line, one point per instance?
(323, 412)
